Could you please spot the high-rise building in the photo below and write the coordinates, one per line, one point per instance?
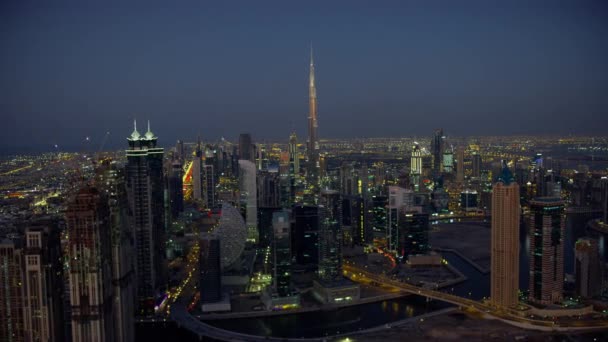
(197, 173)
(111, 181)
(176, 191)
(460, 165)
(378, 215)
(248, 190)
(43, 282)
(145, 189)
(414, 228)
(476, 165)
(416, 166)
(269, 190)
(12, 325)
(282, 252)
(448, 161)
(547, 226)
(265, 225)
(210, 280)
(305, 238)
(90, 273)
(246, 147)
(505, 241)
(348, 179)
(437, 149)
(210, 182)
(294, 158)
(399, 199)
(313, 138)
(330, 237)
(604, 192)
(587, 268)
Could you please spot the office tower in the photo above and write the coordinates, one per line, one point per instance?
(448, 161)
(437, 149)
(348, 179)
(378, 215)
(547, 225)
(399, 199)
(265, 225)
(176, 189)
(12, 325)
(43, 282)
(210, 182)
(416, 166)
(294, 159)
(414, 236)
(246, 150)
(197, 173)
(210, 280)
(476, 165)
(587, 268)
(313, 139)
(469, 200)
(111, 181)
(282, 252)
(179, 151)
(505, 240)
(460, 165)
(248, 190)
(305, 238)
(330, 237)
(145, 190)
(269, 193)
(90, 273)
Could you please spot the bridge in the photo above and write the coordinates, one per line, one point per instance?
(507, 315)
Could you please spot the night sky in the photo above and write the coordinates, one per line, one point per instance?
(384, 68)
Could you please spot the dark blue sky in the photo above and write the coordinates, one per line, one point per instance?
(384, 68)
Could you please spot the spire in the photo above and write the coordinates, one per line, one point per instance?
(149, 134)
(135, 135)
(311, 58)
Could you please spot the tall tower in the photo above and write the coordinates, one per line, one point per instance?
(294, 159)
(460, 165)
(547, 226)
(437, 149)
(505, 240)
(145, 190)
(197, 173)
(313, 138)
(330, 237)
(90, 271)
(11, 298)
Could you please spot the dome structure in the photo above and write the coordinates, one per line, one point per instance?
(232, 233)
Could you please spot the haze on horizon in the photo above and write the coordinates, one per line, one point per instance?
(393, 68)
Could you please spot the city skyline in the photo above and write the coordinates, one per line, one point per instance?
(394, 72)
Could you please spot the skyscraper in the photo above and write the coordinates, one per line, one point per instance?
(460, 165)
(43, 282)
(437, 149)
(210, 270)
(414, 226)
(330, 237)
(305, 239)
(12, 327)
(313, 138)
(282, 252)
(476, 165)
(145, 189)
(587, 268)
(505, 240)
(294, 158)
(176, 192)
(197, 173)
(90, 273)
(248, 190)
(547, 226)
(416, 166)
(209, 185)
(246, 147)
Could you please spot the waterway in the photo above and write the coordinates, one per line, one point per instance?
(364, 316)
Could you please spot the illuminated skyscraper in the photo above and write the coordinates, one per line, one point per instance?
(476, 165)
(505, 240)
(145, 189)
(197, 173)
(313, 138)
(437, 150)
(416, 166)
(282, 252)
(90, 271)
(294, 159)
(547, 227)
(248, 190)
(330, 237)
